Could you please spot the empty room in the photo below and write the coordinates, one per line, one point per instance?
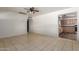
(39, 29)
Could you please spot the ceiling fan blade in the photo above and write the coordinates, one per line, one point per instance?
(22, 13)
(36, 10)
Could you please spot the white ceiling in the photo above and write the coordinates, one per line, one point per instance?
(42, 10)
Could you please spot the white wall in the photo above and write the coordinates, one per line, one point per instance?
(12, 24)
(48, 23)
(45, 24)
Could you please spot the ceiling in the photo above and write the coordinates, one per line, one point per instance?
(42, 10)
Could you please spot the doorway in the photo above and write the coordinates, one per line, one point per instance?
(68, 26)
(27, 25)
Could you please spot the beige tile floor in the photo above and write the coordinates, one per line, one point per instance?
(37, 42)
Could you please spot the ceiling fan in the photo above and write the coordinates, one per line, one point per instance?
(31, 10)
(29, 13)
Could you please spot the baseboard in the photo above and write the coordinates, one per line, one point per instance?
(12, 36)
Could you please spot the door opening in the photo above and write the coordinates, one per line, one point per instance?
(27, 25)
(68, 26)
